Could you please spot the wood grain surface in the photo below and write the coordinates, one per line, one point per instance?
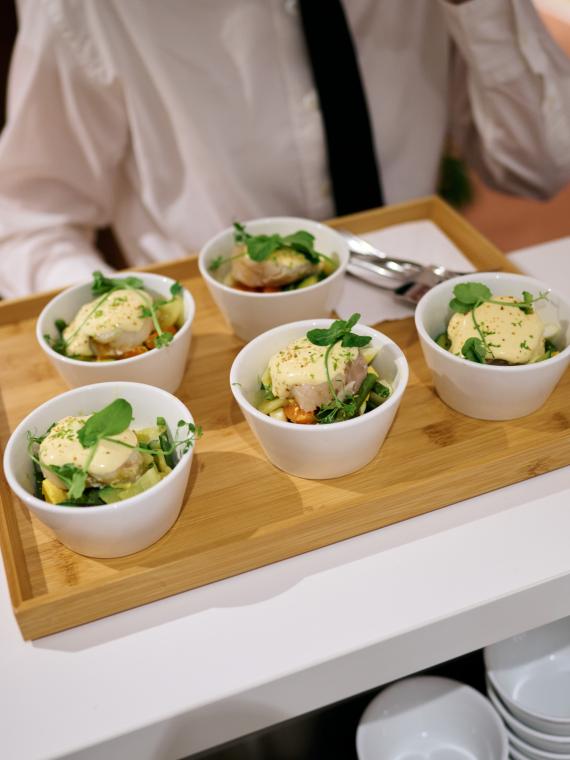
(241, 512)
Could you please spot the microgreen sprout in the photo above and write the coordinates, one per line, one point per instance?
(340, 331)
(163, 338)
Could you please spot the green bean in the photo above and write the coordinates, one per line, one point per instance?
(365, 388)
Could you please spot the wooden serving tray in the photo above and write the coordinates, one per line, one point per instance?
(240, 511)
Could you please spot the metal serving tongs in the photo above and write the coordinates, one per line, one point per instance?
(408, 280)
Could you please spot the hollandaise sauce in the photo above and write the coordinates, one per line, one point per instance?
(303, 363)
(511, 335)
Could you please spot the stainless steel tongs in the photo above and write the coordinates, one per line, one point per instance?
(408, 280)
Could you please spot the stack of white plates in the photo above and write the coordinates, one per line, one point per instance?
(430, 717)
(528, 680)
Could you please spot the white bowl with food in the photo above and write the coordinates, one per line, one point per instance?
(296, 272)
(531, 674)
(496, 343)
(560, 745)
(311, 423)
(105, 466)
(429, 716)
(132, 327)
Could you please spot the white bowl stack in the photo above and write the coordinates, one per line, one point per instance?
(430, 717)
(528, 681)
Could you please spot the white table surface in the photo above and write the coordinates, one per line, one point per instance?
(192, 671)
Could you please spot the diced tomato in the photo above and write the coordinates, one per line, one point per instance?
(136, 351)
(294, 413)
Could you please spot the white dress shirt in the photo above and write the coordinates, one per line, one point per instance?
(171, 119)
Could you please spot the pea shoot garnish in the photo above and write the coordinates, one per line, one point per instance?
(163, 337)
(341, 332)
(102, 285)
(261, 247)
(468, 297)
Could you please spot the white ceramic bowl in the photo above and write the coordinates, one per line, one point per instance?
(532, 753)
(111, 530)
(484, 391)
(430, 717)
(251, 314)
(162, 367)
(546, 742)
(514, 755)
(531, 675)
(317, 451)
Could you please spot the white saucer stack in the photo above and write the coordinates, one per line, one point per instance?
(430, 717)
(528, 681)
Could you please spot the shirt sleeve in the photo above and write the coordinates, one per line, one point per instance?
(59, 152)
(510, 96)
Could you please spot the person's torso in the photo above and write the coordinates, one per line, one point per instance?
(223, 117)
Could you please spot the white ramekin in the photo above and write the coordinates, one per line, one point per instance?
(485, 391)
(317, 451)
(429, 716)
(111, 530)
(162, 367)
(251, 314)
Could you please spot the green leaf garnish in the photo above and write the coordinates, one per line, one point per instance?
(112, 420)
(443, 341)
(474, 350)
(470, 293)
(72, 476)
(58, 344)
(102, 284)
(459, 306)
(528, 301)
(339, 331)
(163, 339)
(260, 247)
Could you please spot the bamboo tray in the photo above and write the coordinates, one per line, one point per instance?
(241, 512)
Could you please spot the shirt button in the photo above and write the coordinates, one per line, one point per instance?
(311, 101)
(291, 7)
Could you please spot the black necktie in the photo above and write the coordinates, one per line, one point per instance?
(354, 171)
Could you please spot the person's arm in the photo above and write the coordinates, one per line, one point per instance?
(510, 106)
(59, 152)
